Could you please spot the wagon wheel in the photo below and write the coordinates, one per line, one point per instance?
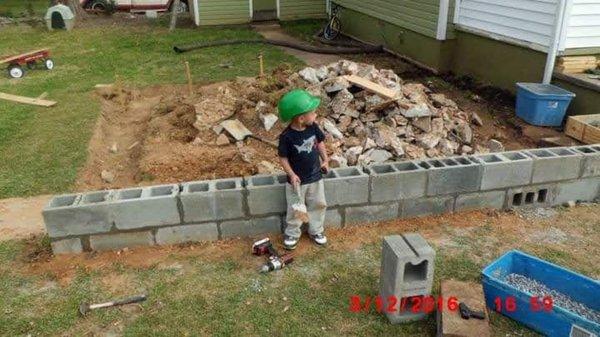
(31, 65)
(49, 64)
(15, 71)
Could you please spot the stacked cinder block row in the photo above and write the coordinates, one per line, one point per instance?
(407, 263)
(236, 207)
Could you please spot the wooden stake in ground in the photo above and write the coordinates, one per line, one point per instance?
(174, 12)
(261, 65)
(189, 77)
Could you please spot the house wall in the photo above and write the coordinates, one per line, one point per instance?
(301, 9)
(219, 12)
(583, 26)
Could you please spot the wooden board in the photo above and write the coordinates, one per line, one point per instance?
(26, 100)
(450, 324)
(579, 128)
(371, 86)
(12, 58)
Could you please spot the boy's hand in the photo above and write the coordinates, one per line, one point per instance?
(325, 167)
(294, 180)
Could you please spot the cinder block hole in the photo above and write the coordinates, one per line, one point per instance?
(514, 156)
(542, 194)
(529, 197)
(586, 149)
(463, 161)
(406, 166)
(562, 152)
(130, 194)
(424, 165)
(436, 163)
(262, 181)
(542, 153)
(491, 158)
(517, 199)
(95, 197)
(383, 169)
(225, 185)
(597, 148)
(450, 162)
(62, 201)
(282, 178)
(201, 187)
(161, 190)
(415, 272)
(348, 172)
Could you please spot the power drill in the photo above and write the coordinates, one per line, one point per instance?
(275, 262)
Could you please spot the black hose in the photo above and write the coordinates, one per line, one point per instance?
(311, 49)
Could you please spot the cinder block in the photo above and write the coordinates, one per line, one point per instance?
(151, 206)
(333, 219)
(531, 196)
(452, 175)
(346, 186)
(266, 194)
(578, 190)
(397, 181)
(212, 200)
(121, 240)
(67, 246)
(507, 169)
(371, 213)
(407, 264)
(74, 214)
(187, 233)
(492, 199)
(427, 206)
(554, 164)
(243, 228)
(591, 160)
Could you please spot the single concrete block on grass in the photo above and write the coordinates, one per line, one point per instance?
(67, 246)
(257, 226)
(578, 190)
(554, 164)
(591, 160)
(75, 214)
(346, 186)
(507, 169)
(266, 194)
(121, 240)
(427, 206)
(452, 175)
(212, 200)
(187, 233)
(371, 213)
(397, 181)
(151, 206)
(492, 199)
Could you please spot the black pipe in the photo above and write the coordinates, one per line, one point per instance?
(311, 49)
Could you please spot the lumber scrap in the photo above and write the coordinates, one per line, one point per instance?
(26, 100)
(371, 86)
(585, 128)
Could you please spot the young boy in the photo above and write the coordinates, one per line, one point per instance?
(303, 157)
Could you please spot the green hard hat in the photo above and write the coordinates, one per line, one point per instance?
(296, 102)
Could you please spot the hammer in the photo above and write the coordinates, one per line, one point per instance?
(85, 308)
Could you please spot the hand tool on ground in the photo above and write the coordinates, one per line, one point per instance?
(85, 308)
(299, 208)
(275, 262)
(466, 312)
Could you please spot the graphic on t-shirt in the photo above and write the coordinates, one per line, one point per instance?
(307, 145)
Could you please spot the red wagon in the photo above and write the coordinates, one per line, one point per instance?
(30, 59)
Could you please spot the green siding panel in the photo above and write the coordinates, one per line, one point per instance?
(218, 12)
(418, 16)
(301, 9)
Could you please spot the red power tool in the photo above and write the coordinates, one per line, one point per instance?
(275, 262)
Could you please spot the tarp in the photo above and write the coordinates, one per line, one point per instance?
(64, 11)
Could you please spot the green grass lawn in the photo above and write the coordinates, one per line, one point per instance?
(42, 148)
(303, 29)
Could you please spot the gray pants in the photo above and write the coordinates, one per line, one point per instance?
(314, 197)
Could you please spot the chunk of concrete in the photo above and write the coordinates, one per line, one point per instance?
(212, 200)
(578, 190)
(427, 206)
(78, 214)
(591, 160)
(67, 246)
(346, 186)
(252, 227)
(452, 175)
(187, 233)
(117, 241)
(555, 164)
(152, 206)
(370, 213)
(397, 181)
(505, 169)
(333, 219)
(472, 201)
(266, 194)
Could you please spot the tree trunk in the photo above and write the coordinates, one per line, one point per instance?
(76, 8)
(174, 12)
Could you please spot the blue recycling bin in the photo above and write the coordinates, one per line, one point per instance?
(542, 104)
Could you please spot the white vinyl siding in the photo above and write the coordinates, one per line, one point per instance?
(583, 25)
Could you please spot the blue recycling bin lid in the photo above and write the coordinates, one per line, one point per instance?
(541, 89)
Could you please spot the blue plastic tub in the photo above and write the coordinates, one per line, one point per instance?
(557, 322)
(542, 104)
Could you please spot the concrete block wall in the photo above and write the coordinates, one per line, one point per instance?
(255, 206)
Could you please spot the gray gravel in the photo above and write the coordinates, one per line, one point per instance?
(536, 288)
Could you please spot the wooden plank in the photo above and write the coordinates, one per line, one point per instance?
(581, 128)
(12, 58)
(371, 86)
(26, 100)
(591, 135)
(574, 128)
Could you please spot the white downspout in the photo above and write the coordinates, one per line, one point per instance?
(196, 13)
(553, 47)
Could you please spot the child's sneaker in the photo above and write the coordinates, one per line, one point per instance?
(319, 239)
(289, 242)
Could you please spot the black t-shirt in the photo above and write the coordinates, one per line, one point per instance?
(300, 148)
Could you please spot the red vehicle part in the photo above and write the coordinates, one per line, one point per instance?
(16, 63)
